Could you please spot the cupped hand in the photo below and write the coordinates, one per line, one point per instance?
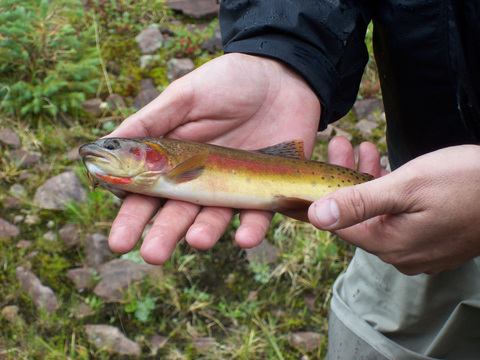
(421, 218)
(236, 100)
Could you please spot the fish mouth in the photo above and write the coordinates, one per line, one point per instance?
(93, 152)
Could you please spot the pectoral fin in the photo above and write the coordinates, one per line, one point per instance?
(188, 170)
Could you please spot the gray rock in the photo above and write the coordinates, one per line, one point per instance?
(144, 97)
(7, 229)
(340, 132)
(176, 68)
(149, 40)
(11, 313)
(43, 297)
(12, 202)
(305, 340)
(83, 278)
(365, 125)
(265, 253)
(58, 190)
(25, 159)
(72, 154)
(117, 275)
(214, 44)
(9, 138)
(18, 190)
(364, 107)
(111, 338)
(199, 9)
(147, 84)
(115, 101)
(50, 236)
(24, 244)
(157, 341)
(93, 106)
(97, 251)
(70, 234)
(148, 60)
(325, 135)
(203, 344)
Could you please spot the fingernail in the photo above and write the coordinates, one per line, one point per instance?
(327, 212)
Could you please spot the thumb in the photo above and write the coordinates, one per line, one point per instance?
(352, 205)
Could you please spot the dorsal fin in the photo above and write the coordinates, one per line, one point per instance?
(292, 149)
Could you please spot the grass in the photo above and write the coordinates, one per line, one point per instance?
(241, 310)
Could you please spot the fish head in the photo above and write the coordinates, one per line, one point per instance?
(124, 165)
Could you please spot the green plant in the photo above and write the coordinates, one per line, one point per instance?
(48, 59)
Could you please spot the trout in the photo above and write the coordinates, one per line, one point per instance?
(278, 178)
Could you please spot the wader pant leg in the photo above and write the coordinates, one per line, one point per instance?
(379, 313)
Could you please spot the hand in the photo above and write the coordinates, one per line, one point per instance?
(421, 218)
(237, 101)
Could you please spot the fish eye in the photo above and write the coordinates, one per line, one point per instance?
(111, 144)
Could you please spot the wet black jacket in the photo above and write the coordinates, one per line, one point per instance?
(428, 55)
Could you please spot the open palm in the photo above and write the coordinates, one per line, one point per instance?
(235, 100)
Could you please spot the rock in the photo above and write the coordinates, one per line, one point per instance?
(72, 154)
(340, 132)
(264, 253)
(364, 107)
(9, 138)
(83, 278)
(93, 106)
(384, 162)
(214, 44)
(148, 60)
(97, 251)
(43, 297)
(147, 84)
(11, 314)
(202, 344)
(50, 236)
(58, 190)
(149, 40)
(365, 125)
(326, 134)
(199, 9)
(305, 340)
(12, 202)
(24, 244)
(144, 97)
(117, 275)
(83, 310)
(7, 229)
(115, 101)
(111, 338)
(156, 343)
(25, 159)
(18, 190)
(70, 234)
(176, 68)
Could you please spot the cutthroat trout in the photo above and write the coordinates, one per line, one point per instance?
(278, 178)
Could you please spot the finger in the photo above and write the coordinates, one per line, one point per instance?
(340, 152)
(253, 227)
(161, 115)
(168, 228)
(352, 205)
(369, 159)
(133, 216)
(210, 224)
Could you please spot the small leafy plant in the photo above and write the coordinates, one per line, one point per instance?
(48, 58)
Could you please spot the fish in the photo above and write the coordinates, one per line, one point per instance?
(277, 178)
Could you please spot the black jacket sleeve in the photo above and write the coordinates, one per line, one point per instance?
(321, 40)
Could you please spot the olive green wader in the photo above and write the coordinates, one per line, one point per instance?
(379, 313)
